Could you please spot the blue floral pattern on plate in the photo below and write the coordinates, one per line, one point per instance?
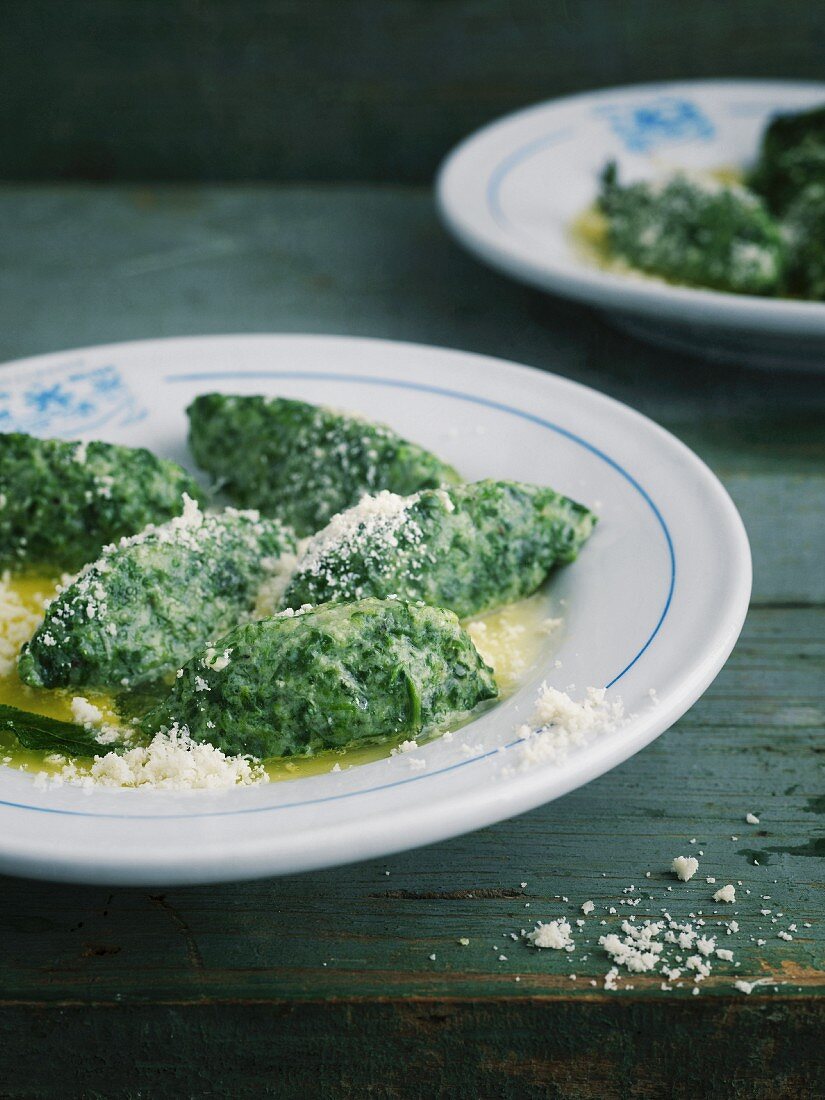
(67, 401)
(666, 120)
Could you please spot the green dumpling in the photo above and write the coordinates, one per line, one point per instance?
(61, 502)
(327, 678)
(700, 233)
(467, 547)
(150, 601)
(791, 157)
(804, 227)
(303, 462)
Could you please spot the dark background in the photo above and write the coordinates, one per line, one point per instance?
(366, 90)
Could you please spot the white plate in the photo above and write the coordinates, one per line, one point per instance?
(510, 192)
(656, 599)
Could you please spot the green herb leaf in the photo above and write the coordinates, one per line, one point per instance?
(35, 731)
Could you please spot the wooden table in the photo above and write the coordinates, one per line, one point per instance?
(326, 983)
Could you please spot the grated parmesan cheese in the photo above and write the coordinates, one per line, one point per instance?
(637, 949)
(405, 746)
(748, 987)
(559, 723)
(86, 713)
(172, 761)
(372, 529)
(726, 894)
(214, 660)
(556, 934)
(685, 867)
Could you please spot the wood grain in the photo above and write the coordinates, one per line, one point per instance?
(531, 1051)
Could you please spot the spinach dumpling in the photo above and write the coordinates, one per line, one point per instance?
(698, 232)
(148, 602)
(804, 226)
(61, 502)
(467, 547)
(326, 678)
(791, 157)
(303, 462)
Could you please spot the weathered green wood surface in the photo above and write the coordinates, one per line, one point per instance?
(340, 89)
(323, 983)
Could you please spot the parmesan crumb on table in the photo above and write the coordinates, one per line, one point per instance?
(726, 894)
(464, 941)
(556, 934)
(748, 987)
(637, 949)
(682, 952)
(685, 867)
(751, 819)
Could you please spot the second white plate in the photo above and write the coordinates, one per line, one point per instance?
(511, 191)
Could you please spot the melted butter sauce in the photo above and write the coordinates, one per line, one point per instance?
(511, 640)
